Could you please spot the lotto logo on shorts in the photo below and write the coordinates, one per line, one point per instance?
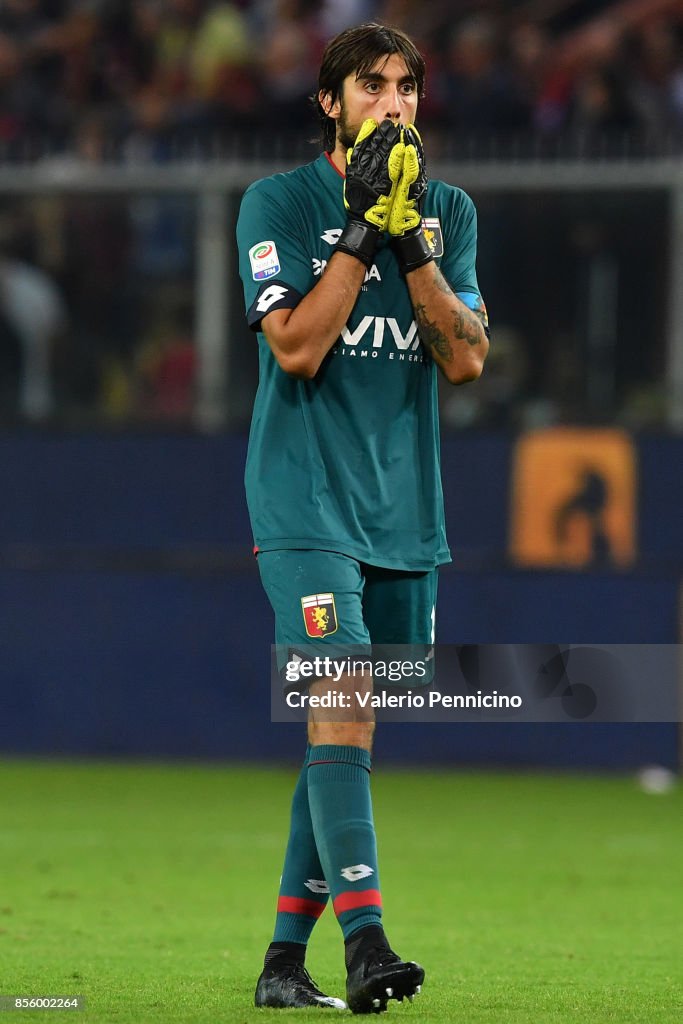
(320, 614)
(264, 261)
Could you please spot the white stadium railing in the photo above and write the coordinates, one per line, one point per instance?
(212, 183)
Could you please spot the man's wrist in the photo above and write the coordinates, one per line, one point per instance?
(412, 250)
(360, 240)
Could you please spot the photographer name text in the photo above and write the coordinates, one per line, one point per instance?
(343, 701)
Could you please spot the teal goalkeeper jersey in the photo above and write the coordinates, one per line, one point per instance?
(348, 461)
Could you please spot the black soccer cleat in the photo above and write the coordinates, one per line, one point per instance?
(380, 976)
(290, 986)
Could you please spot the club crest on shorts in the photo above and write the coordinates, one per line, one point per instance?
(431, 227)
(320, 614)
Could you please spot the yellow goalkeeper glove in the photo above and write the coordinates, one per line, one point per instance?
(373, 169)
(405, 221)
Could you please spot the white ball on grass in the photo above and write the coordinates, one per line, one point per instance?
(655, 778)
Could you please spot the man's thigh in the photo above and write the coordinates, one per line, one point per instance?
(317, 598)
(400, 607)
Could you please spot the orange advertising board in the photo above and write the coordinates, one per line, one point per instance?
(574, 499)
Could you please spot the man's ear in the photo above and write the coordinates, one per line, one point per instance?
(331, 109)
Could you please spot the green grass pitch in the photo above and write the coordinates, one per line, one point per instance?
(529, 899)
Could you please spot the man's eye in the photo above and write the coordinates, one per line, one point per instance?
(372, 87)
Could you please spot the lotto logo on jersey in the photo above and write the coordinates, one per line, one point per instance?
(320, 615)
(331, 235)
(264, 261)
(431, 227)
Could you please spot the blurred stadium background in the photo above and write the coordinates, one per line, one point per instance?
(132, 621)
(133, 628)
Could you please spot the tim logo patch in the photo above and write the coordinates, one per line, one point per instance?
(431, 227)
(320, 615)
(264, 261)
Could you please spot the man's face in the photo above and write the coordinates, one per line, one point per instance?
(388, 90)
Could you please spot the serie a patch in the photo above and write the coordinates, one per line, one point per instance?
(320, 615)
(431, 227)
(264, 260)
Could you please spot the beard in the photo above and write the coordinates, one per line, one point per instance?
(346, 132)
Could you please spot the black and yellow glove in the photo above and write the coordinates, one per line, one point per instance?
(373, 170)
(405, 221)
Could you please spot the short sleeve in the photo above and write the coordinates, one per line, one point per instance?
(458, 264)
(273, 262)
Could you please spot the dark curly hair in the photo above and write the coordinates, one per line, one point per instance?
(358, 49)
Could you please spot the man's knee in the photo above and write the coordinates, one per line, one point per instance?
(351, 722)
(343, 734)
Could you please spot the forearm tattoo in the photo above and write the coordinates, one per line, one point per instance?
(431, 335)
(468, 326)
(466, 323)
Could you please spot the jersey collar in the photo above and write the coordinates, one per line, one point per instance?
(332, 178)
(334, 167)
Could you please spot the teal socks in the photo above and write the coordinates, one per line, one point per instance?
(303, 891)
(331, 848)
(341, 816)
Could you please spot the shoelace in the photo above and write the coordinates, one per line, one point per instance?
(299, 973)
(379, 956)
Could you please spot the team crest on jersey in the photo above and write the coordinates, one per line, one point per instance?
(264, 261)
(320, 615)
(432, 232)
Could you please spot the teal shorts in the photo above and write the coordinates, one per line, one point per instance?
(325, 599)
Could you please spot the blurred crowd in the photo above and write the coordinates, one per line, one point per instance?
(98, 292)
(145, 78)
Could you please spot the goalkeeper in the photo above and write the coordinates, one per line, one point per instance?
(359, 279)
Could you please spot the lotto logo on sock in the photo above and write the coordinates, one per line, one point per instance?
(317, 885)
(357, 872)
(320, 614)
